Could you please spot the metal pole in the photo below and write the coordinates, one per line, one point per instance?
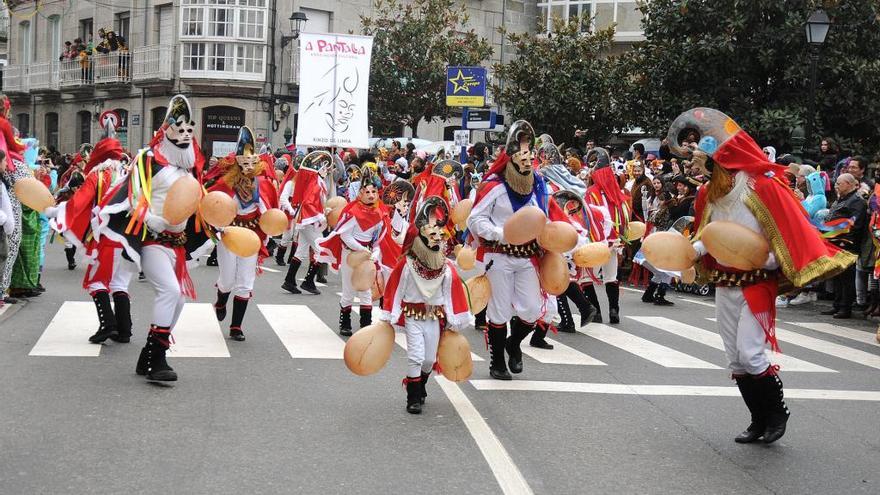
(811, 104)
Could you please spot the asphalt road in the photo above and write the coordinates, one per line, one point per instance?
(645, 407)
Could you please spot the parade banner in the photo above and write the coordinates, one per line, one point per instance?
(334, 76)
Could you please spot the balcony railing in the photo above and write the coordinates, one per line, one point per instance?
(75, 73)
(15, 79)
(294, 67)
(112, 68)
(155, 62)
(44, 76)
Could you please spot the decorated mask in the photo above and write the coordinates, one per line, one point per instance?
(399, 194)
(431, 221)
(319, 161)
(245, 156)
(519, 146)
(180, 128)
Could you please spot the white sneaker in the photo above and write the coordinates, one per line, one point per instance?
(802, 298)
(781, 302)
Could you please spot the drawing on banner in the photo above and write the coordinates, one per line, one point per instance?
(333, 91)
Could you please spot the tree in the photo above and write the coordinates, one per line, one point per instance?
(413, 42)
(562, 82)
(750, 59)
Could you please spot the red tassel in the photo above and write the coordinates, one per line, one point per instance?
(771, 370)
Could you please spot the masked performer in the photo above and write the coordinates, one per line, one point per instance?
(606, 193)
(307, 207)
(425, 296)
(108, 272)
(517, 297)
(254, 193)
(363, 225)
(14, 169)
(288, 236)
(133, 217)
(748, 190)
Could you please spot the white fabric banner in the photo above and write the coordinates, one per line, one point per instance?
(334, 77)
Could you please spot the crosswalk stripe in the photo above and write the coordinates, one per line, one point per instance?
(713, 340)
(830, 348)
(400, 340)
(198, 334)
(662, 355)
(560, 354)
(302, 332)
(847, 333)
(270, 270)
(666, 390)
(69, 331)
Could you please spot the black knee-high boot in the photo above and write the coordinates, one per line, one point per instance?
(749, 391)
(279, 255)
(589, 311)
(308, 284)
(152, 361)
(290, 280)
(71, 257)
(590, 293)
(122, 311)
(345, 321)
(425, 377)
(106, 318)
(567, 323)
(518, 331)
(612, 290)
(212, 258)
(239, 307)
(496, 335)
(769, 388)
(539, 337)
(322, 273)
(480, 321)
(413, 394)
(366, 313)
(220, 305)
(648, 296)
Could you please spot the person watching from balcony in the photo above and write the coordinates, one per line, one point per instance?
(65, 52)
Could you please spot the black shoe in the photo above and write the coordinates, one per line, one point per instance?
(597, 318)
(497, 337)
(414, 395)
(366, 316)
(345, 322)
(220, 305)
(776, 412)
(212, 258)
(309, 286)
(292, 288)
(40, 288)
(142, 277)
(279, 255)
(236, 334)
(518, 331)
(613, 317)
(648, 296)
(662, 301)
(751, 434)
(71, 257)
(748, 388)
(122, 310)
(320, 278)
(569, 328)
(500, 374)
(152, 362)
(843, 315)
(106, 318)
(590, 316)
(424, 383)
(538, 339)
(829, 312)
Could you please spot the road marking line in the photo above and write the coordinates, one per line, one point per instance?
(560, 354)
(830, 348)
(639, 291)
(508, 476)
(713, 340)
(303, 334)
(400, 340)
(198, 334)
(694, 301)
(662, 355)
(847, 333)
(666, 390)
(69, 331)
(3, 308)
(270, 270)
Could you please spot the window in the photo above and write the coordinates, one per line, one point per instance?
(223, 38)
(122, 26)
(23, 124)
(122, 129)
(157, 117)
(86, 28)
(624, 13)
(84, 127)
(55, 46)
(24, 42)
(164, 27)
(51, 132)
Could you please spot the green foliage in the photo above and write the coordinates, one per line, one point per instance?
(562, 82)
(413, 42)
(750, 59)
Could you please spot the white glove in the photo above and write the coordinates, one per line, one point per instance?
(156, 223)
(51, 211)
(700, 248)
(771, 263)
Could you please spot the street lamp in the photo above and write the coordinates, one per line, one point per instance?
(297, 21)
(816, 29)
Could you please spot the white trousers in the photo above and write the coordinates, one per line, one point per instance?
(121, 278)
(158, 264)
(608, 271)
(288, 235)
(516, 289)
(365, 297)
(741, 333)
(422, 339)
(237, 274)
(308, 236)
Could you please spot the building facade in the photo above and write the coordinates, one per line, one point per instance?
(227, 56)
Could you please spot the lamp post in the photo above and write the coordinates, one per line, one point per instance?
(816, 29)
(297, 20)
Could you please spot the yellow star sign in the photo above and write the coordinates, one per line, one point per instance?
(460, 83)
